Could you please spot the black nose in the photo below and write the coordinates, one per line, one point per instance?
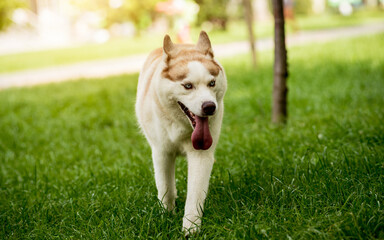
(208, 107)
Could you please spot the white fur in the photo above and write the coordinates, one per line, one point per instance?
(168, 132)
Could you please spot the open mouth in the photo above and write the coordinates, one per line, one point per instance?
(201, 137)
(189, 114)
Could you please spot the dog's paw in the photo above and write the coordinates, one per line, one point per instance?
(170, 206)
(168, 200)
(191, 225)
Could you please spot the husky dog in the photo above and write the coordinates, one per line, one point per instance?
(179, 107)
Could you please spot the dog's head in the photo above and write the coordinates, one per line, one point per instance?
(194, 80)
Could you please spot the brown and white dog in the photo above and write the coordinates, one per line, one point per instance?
(179, 107)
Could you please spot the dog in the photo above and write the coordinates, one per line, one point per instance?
(179, 107)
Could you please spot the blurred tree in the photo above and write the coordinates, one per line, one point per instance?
(302, 7)
(280, 90)
(248, 10)
(140, 12)
(372, 3)
(6, 9)
(214, 11)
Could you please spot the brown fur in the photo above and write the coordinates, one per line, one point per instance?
(153, 58)
(181, 55)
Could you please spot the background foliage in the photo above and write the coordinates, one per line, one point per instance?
(302, 7)
(6, 10)
(214, 11)
(140, 13)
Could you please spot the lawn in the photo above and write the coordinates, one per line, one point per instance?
(121, 47)
(74, 165)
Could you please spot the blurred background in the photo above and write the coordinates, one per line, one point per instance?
(39, 24)
(42, 33)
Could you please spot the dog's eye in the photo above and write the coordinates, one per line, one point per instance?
(212, 83)
(188, 86)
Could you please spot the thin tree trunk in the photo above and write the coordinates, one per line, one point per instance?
(280, 90)
(248, 10)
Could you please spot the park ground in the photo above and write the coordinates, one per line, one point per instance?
(74, 164)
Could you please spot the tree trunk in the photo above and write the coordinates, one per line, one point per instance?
(248, 10)
(280, 90)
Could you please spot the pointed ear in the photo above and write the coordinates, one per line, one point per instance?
(167, 45)
(204, 44)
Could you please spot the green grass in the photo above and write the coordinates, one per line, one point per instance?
(128, 46)
(74, 165)
(47, 58)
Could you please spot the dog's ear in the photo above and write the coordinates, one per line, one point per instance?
(167, 45)
(204, 44)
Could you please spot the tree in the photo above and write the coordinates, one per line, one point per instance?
(280, 90)
(6, 10)
(140, 13)
(249, 20)
(214, 11)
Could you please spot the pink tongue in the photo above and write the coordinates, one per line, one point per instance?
(201, 137)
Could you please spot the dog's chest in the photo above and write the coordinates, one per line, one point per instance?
(178, 133)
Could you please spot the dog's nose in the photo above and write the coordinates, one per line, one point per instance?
(208, 107)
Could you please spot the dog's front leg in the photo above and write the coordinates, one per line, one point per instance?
(199, 171)
(164, 165)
